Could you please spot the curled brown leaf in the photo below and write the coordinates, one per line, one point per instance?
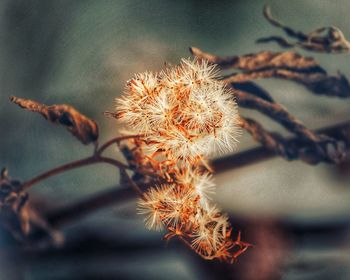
(83, 128)
(325, 39)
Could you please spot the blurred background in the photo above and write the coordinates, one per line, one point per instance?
(82, 52)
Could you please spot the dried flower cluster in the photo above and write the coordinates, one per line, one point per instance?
(182, 111)
(183, 114)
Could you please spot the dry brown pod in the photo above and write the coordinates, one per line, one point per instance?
(83, 128)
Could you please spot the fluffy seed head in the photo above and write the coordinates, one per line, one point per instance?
(183, 111)
(167, 205)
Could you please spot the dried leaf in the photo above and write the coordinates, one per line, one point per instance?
(262, 60)
(279, 114)
(285, 65)
(325, 39)
(271, 140)
(319, 83)
(254, 89)
(83, 128)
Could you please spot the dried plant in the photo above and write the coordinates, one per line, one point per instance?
(174, 121)
(184, 114)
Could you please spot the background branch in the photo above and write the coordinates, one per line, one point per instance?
(75, 210)
(303, 151)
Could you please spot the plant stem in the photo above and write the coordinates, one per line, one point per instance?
(72, 165)
(96, 158)
(101, 149)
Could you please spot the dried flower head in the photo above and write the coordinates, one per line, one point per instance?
(167, 205)
(182, 114)
(183, 111)
(178, 209)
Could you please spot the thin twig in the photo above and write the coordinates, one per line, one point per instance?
(95, 158)
(72, 165)
(115, 140)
